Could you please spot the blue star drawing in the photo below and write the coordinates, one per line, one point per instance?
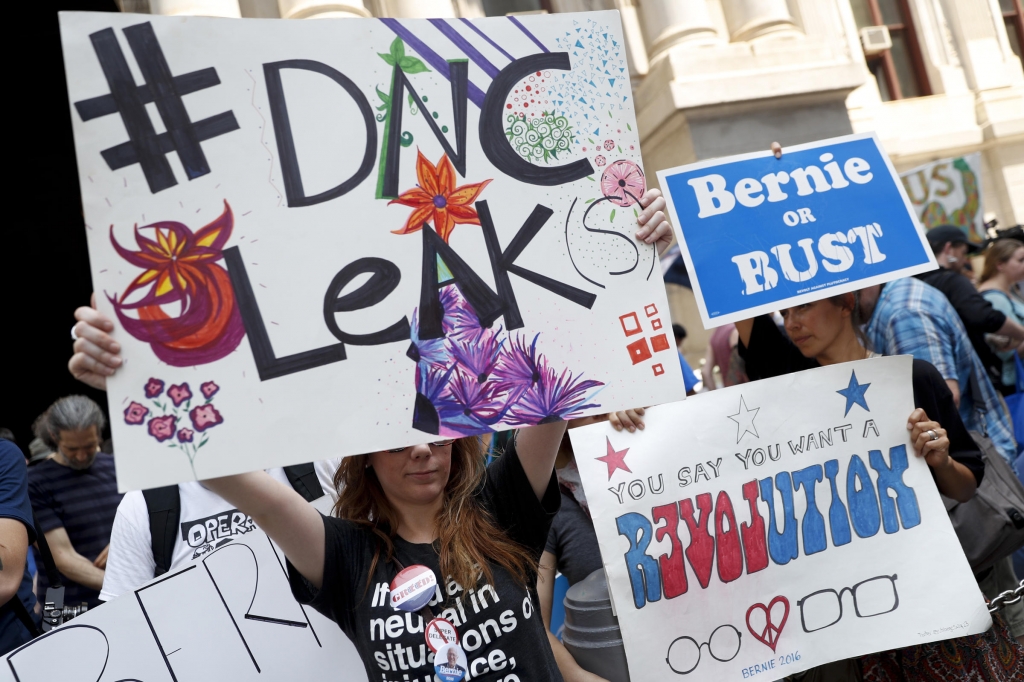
(854, 394)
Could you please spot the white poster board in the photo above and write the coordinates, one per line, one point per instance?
(764, 529)
(227, 616)
(277, 212)
(948, 192)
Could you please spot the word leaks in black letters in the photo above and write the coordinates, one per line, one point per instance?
(385, 276)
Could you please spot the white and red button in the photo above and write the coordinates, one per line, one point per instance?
(412, 588)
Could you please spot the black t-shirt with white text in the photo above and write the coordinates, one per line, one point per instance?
(499, 626)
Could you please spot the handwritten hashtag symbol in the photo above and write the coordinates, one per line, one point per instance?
(145, 147)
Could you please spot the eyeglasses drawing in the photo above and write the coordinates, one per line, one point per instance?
(872, 597)
(684, 652)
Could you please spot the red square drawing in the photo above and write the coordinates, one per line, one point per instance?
(656, 323)
(651, 310)
(630, 324)
(638, 350)
(659, 343)
(658, 370)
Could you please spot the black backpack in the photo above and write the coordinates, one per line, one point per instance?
(164, 506)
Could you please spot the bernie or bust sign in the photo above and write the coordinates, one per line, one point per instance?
(760, 233)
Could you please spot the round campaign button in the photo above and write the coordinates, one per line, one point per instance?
(450, 664)
(412, 588)
(441, 632)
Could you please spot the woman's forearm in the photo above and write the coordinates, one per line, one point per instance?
(282, 514)
(537, 447)
(955, 480)
(567, 665)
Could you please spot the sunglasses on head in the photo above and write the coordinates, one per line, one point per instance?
(436, 444)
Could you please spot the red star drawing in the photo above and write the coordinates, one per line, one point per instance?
(615, 459)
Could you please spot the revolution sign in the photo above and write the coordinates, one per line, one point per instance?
(759, 234)
(772, 527)
(324, 238)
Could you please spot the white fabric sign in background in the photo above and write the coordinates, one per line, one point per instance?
(948, 192)
(228, 616)
(768, 528)
(276, 211)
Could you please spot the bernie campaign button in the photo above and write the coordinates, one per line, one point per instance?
(412, 588)
(440, 632)
(450, 664)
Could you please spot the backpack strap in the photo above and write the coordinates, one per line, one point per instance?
(164, 513)
(304, 480)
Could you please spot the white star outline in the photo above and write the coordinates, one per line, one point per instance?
(744, 419)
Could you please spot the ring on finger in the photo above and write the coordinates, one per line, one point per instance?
(932, 435)
(74, 336)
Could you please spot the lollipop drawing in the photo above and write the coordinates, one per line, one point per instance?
(623, 182)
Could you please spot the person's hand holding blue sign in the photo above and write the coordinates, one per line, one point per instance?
(760, 233)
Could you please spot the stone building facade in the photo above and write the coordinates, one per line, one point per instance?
(717, 77)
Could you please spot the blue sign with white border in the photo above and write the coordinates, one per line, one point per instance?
(759, 234)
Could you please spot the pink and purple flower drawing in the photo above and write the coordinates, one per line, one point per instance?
(477, 380)
(154, 387)
(162, 428)
(172, 410)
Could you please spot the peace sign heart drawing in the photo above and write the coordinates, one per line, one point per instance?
(772, 527)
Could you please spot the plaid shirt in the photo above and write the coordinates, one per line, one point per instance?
(913, 318)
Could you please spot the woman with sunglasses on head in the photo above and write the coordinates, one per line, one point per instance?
(827, 332)
(406, 517)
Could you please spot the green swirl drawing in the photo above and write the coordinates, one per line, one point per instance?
(539, 138)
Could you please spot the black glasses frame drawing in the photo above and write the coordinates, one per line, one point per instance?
(719, 655)
(872, 582)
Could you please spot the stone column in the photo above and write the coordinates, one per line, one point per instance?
(322, 9)
(202, 8)
(752, 19)
(667, 23)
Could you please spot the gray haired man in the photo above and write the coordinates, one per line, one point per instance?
(74, 497)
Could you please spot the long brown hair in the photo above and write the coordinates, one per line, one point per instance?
(468, 536)
(998, 252)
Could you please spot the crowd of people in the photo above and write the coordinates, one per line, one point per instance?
(523, 518)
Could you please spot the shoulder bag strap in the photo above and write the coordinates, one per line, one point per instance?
(164, 506)
(304, 480)
(49, 565)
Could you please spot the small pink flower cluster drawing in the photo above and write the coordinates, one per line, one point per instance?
(173, 409)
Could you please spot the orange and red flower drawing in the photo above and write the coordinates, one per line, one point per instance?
(437, 200)
(180, 267)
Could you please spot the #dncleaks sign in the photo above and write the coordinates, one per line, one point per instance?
(328, 238)
(776, 526)
(759, 233)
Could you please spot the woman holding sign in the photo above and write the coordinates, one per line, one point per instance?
(827, 332)
(429, 561)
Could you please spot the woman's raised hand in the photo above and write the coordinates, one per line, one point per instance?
(630, 420)
(96, 352)
(654, 226)
(952, 478)
(929, 439)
